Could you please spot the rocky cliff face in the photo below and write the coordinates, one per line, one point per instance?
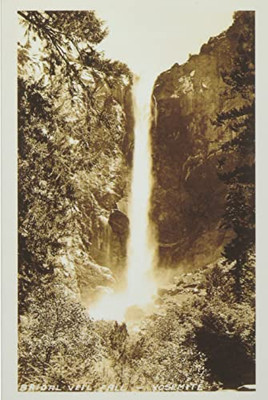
(189, 198)
(101, 191)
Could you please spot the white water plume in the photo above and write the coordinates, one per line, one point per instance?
(141, 247)
(141, 250)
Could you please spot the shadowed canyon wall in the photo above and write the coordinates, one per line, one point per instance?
(189, 197)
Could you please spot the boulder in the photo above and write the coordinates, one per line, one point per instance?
(119, 223)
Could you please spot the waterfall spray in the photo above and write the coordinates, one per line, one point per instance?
(141, 251)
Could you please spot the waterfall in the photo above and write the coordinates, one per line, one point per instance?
(105, 240)
(141, 251)
(141, 246)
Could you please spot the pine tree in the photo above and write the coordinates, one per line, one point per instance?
(240, 180)
(63, 132)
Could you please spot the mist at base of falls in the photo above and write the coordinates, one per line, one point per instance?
(141, 249)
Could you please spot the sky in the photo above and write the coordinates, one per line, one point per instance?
(151, 35)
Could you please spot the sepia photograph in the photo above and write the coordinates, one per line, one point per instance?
(135, 198)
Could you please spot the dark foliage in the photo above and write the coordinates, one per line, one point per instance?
(65, 133)
(240, 200)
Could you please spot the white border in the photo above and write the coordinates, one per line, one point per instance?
(9, 197)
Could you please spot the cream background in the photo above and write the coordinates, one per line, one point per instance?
(199, 33)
